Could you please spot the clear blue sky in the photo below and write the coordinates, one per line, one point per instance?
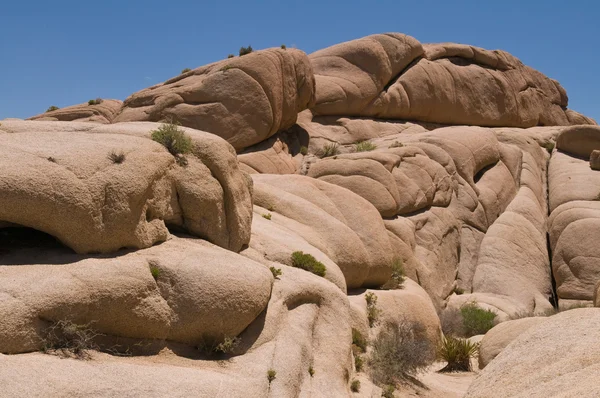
(66, 52)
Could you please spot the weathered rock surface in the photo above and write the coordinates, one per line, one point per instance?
(564, 352)
(58, 178)
(244, 100)
(393, 76)
(104, 112)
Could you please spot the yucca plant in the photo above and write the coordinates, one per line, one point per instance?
(457, 353)
(329, 150)
(365, 146)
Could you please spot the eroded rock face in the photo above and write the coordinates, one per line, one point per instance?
(393, 76)
(562, 350)
(103, 112)
(244, 100)
(60, 179)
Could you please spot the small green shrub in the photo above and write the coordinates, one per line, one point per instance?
(398, 276)
(228, 345)
(230, 56)
(476, 320)
(271, 375)
(173, 138)
(388, 391)
(359, 340)
(457, 353)
(311, 371)
(358, 362)
(283, 47)
(52, 108)
(226, 68)
(364, 146)
(185, 70)
(372, 310)
(304, 150)
(245, 50)
(267, 216)
(549, 147)
(458, 291)
(399, 351)
(69, 339)
(276, 272)
(308, 263)
(396, 144)
(154, 271)
(92, 102)
(355, 385)
(117, 158)
(329, 150)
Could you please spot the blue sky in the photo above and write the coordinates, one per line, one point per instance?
(66, 52)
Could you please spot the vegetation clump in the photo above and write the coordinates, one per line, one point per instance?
(311, 371)
(245, 50)
(154, 271)
(97, 101)
(388, 391)
(399, 351)
(359, 341)
(230, 56)
(271, 375)
(211, 346)
(476, 320)
(267, 216)
(117, 158)
(329, 150)
(372, 310)
(355, 385)
(52, 108)
(303, 150)
(185, 70)
(172, 137)
(457, 352)
(69, 339)
(308, 263)
(276, 272)
(549, 147)
(398, 277)
(396, 144)
(283, 47)
(364, 146)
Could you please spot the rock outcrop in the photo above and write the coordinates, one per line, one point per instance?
(103, 112)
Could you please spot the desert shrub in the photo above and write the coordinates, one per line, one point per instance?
(245, 50)
(172, 137)
(372, 310)
(69, 339)
(388, 391)
(398, 276)
(226, 68)
(458, 291)
(355, 385)
(399, 351)
(51, 159)
(230, 56)
(457, 352)
(304, 150)
(308, 263)
(92, 102)
(476, 320)
(154, 271)
(271, 375)
(359, 340)
(311, 371)
(52, 108)
(364, 146)
(211, 346)
(228, 345)
(283, 47)
(276, 272)
(549, 147)
(329, 150)
(117, 158)
(267, 216)
(185, 70)
(358, 362)
(396, 144)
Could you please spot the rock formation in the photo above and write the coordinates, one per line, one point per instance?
(458, 168)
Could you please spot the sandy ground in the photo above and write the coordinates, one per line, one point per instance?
(440, 385)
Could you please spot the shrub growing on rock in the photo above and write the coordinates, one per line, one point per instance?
(457, 353)
(117, 158)
(355, 385)
(303, 150)
(399, 351)
(308, 263)
(397, 278)
(154, 271)
(276, 272)
(230, 56)
(283, 47)
(329, 150)
(372, 310)
(364, 146)
(211, 346)
(311, 371)
(388, 391)
(476, 320)
(267, 216)
(271, 375)
(245, 50)
(172, 137)
(359, 340)
(69, 339)
(185, 70)
(52, 108)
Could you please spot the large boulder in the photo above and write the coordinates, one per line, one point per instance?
(393, 76)
(58, 177)
(104, 111)
(559, 357)
(244, 100)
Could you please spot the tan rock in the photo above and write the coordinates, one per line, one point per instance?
(562, 350)
(244, 100)
(595, 160)
(66, 185)
(579, 141)
(501, 335)
(104, 112)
